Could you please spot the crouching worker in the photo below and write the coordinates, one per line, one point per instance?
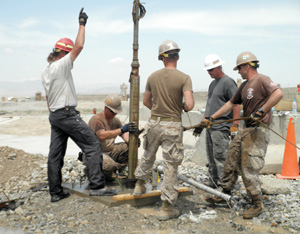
(65, 120)
(109, 166)
(107, 128)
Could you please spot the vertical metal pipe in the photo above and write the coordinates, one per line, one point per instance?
(134, 93)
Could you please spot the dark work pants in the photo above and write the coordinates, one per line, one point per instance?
(217, 144)
(69, 124)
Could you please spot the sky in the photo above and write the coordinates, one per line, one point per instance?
(268, 28)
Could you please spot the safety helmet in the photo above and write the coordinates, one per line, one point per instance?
(65, 44)
(211, 61)
(245, 57)
(166, 46)
(113, 102)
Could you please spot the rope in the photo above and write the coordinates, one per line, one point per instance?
(279, 134)
(233, 214)
(243, 118)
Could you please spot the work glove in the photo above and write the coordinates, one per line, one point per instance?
(82, 17)
(234, 130)
(80, 156)
(183, 107)
(207, 122)
(198, 130)
(256, 116)
(130, 127)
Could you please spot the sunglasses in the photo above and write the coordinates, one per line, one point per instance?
(240, 67)
(210, 70)
(111, 111)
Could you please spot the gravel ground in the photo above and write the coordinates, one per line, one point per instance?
(31, 211)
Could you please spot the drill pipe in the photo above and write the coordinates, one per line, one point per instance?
(203, 187)
(138, 12)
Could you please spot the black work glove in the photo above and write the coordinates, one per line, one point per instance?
(198, 130)
(130, 127)
(80, 156)
(82, 17)
(183, 104)
(256, 116)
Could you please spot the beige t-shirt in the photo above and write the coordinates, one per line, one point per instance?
(98, 122)
(167, 87)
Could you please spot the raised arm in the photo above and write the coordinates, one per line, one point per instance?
(80, 36)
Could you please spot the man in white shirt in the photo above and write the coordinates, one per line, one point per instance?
(65, 120)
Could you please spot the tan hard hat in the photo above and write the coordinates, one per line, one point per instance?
(113, 102)
(211, 61)
(166, 46)
(245, 57)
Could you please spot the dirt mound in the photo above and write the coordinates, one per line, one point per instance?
(17, 163)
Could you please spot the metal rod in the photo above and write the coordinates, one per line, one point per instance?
(203, 187)
(218, 122)
(134, 80)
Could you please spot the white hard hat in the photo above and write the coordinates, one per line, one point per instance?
(211, 61)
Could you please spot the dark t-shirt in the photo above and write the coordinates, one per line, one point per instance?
(254, 94)
(220, 92)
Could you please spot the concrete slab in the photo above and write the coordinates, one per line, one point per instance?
(123, 197)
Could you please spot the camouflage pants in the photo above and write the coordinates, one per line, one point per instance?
(246, 155)
(217, 143)
(119, 153)
(168, 135)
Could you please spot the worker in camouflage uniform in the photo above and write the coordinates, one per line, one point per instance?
(165, 90)
(258, 94)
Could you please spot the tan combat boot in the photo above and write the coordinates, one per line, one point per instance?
(140, 188)
(167, 212)
(256, 209)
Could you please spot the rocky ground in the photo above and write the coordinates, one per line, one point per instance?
(30, 211)
(25, 205)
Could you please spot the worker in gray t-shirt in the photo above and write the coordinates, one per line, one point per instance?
(220, 91)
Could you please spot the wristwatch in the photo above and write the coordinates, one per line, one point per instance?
(260, 110)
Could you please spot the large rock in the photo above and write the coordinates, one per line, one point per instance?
(272, 186)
